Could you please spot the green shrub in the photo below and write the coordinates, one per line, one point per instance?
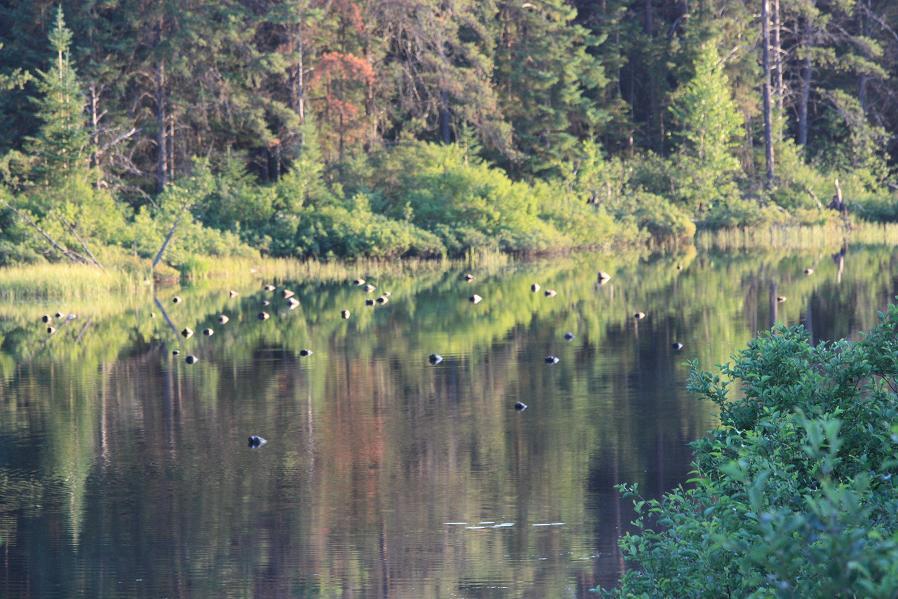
(661, 218)
(336, 231)
(794, 494)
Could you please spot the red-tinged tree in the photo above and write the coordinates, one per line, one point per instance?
(343, 80)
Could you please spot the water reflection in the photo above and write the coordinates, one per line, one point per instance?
(126, 472)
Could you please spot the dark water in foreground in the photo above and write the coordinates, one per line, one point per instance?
(126, 473)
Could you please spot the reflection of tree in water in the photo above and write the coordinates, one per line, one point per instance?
(142, 470)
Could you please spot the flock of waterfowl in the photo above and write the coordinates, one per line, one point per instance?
(256, 441)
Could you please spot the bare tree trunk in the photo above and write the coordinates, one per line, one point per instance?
(171, 144)
(862, 84)
(778, 57)
(444, 117)
(161, 137)
(297, 91)
(66, 252)
(94, 126)
(768, 109)
(805, 91)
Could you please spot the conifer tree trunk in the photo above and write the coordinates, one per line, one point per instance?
(297, 98)
(778, 57)
(161, 137)
(804, 95)
(768, 109)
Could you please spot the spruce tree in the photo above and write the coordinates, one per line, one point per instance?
(709, 125)
(546, 75)
(61, 147)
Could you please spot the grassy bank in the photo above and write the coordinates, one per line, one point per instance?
(810, 237)
(72, 282)
(128, 275)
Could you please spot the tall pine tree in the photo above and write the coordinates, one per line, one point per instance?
(709, 125)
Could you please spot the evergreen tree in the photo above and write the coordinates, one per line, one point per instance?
(61, 148)
(61, 202)
(709, 124)
(545, 75)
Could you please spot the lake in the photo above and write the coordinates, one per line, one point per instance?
(125, 472)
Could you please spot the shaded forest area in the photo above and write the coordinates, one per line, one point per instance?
(413, 127)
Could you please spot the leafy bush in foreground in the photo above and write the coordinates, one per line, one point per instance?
(794, 494)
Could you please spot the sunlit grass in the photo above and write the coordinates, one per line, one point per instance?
(41, 282)
(781, 237)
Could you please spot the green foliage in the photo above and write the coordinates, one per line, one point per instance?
(709, 122)
(471, 205)
(337, 231)
(62, 147)
(546, 74)
(794, 493)
(661, 218)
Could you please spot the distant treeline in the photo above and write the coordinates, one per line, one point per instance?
(342, 127)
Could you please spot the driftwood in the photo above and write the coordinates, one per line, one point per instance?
(85, 248)
(59, 247)
(168, 237)
(66, 252)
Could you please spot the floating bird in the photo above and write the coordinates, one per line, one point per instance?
(263, 316)
(435, 359)
(266, 303)
(369, 302)
(550, 293)
(46, 318)
(520, 406)
(176, 299)
(208, 332)
(255, 441)
(552, 359)
(604, 276)
(534, 288)
(475, 299)
(232, 293)
(187, 332)
(780, 299)
(569, 336)
(51, 330)
(809, 271)
(269, 288)
(191, 359)
(468, 277)
(305, 352)
(287, 294)
(677, 346)
(358, 282)
(222, 319)
(176, 352)
(382, 299)
(639, 315)
(344, 314)
(369, 288)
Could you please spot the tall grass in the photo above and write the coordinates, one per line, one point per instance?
(42, 282)
(784, 237)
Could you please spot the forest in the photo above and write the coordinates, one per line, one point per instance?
(382, 129)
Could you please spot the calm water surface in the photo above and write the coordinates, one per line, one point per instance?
(125, 472)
